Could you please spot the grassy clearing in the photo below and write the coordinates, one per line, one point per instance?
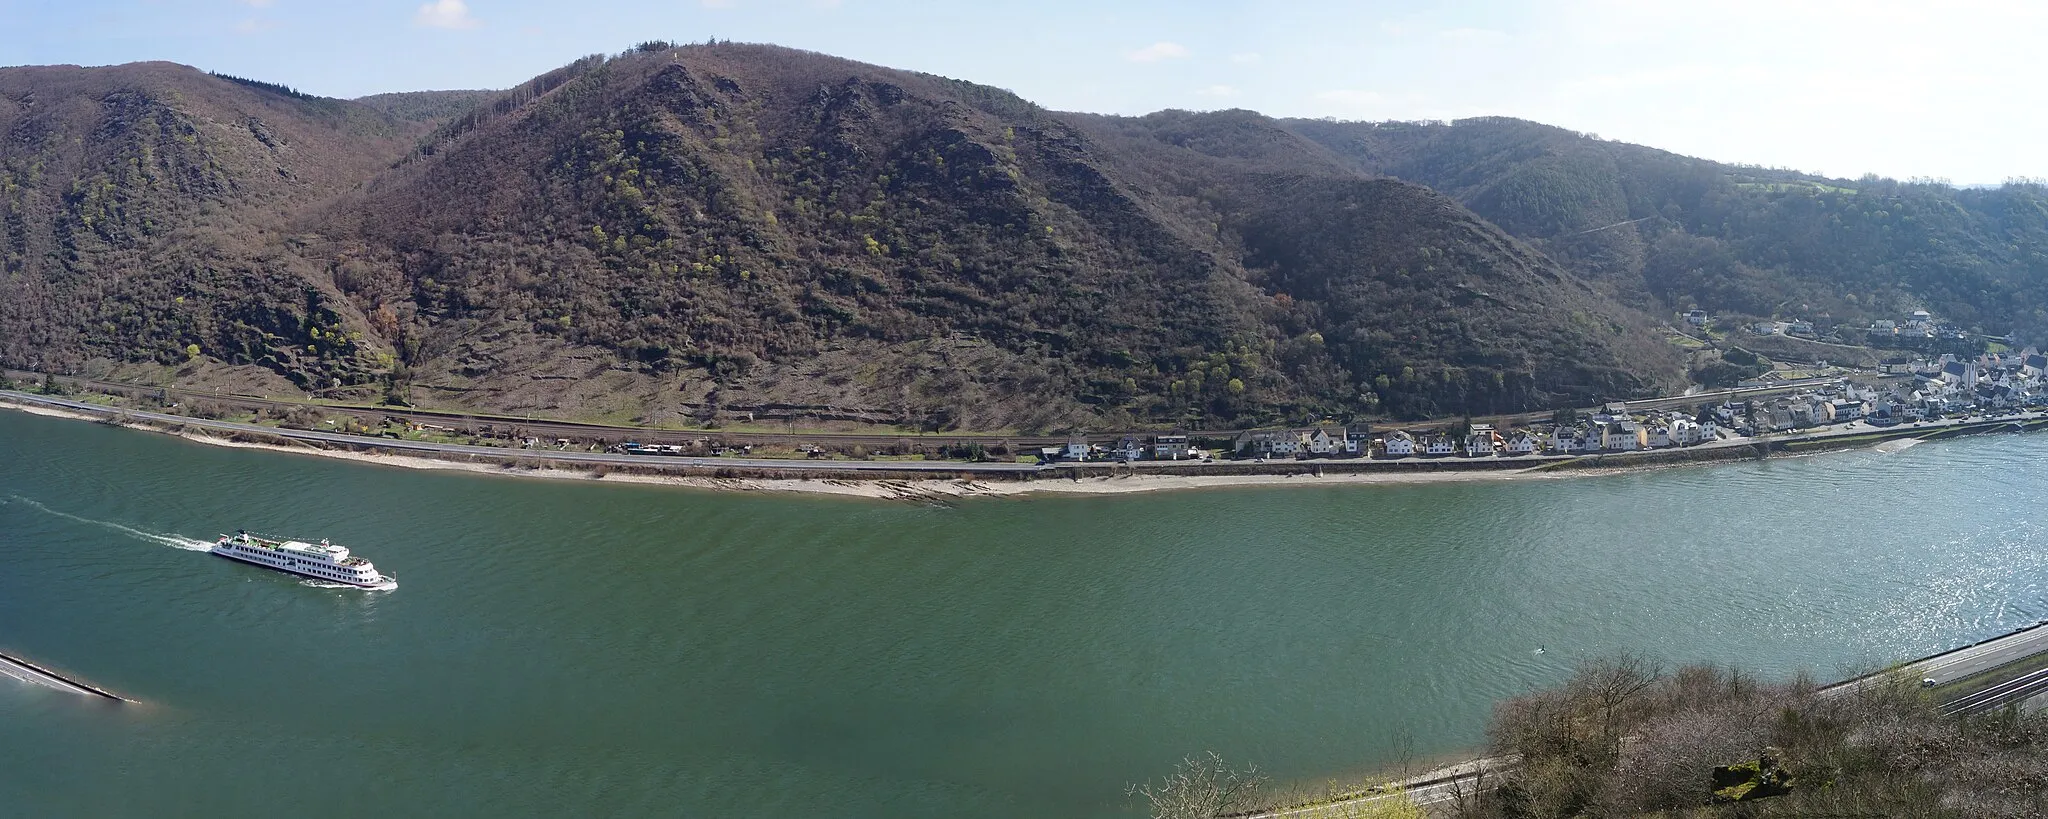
(1782, 187)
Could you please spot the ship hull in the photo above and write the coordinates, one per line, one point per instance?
(296, 573)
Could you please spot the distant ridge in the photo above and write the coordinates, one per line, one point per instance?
(650, 234)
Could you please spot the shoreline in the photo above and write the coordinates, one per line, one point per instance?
(917, 489)
(940, 490)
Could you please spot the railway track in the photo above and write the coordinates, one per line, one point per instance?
(475, 422)
(510, 425)
(2000, 695)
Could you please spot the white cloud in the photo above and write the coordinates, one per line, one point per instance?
(261, 4)
(444, 14)
(1219, 91)
(1158, 51)
(1246, 58)
(254, 26)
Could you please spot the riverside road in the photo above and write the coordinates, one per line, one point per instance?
(1010, 469)
(589, 458)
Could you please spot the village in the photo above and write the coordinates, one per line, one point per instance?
(1945, 387)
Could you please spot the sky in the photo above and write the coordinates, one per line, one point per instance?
(1950, 90)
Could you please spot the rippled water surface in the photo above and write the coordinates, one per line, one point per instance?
(573, 648)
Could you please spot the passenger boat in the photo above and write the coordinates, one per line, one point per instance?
(320, 561)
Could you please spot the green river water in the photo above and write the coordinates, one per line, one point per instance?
(574, 648)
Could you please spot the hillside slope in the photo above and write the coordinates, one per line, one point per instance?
(694, 231)
(742, 225)
(1677, 232)
(141, 208)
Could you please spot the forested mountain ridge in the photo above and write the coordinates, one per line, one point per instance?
(674, 230)
(1676, 232)
(140, 210)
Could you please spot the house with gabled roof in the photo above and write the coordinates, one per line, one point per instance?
(1521, 442)
(1622, 436)
(1323, 442)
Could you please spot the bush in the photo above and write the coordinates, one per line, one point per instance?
(1621, 739)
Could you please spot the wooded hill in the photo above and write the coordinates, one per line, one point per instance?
(678, 230)
(1673, 233)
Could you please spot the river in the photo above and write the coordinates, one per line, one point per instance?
(574, 648)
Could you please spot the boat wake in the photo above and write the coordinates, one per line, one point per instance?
(387, 584)
(173, 541)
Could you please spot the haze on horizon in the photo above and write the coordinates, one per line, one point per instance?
(1840, 88)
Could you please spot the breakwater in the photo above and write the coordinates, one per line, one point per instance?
(26, 671)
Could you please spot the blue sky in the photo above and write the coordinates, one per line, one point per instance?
(1903, 89)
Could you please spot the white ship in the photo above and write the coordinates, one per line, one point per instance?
(320, 561)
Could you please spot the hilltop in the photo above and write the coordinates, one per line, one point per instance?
(146, 210)
(698, 230)
(1672, 233)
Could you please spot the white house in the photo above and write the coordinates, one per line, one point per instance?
(1520, 442)
(1481, 442)
(1169, 447)
(1128, 449)
(1398, 444)
(1685, 431)
(1321, 442)
(1076, 449)
(1621, 436)
(1439, 444)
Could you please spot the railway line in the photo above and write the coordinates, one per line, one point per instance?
(538, 455)
(2000, 695)
(546, 428)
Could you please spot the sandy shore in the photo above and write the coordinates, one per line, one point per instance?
(884, 489)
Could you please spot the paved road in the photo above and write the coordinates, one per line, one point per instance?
(1965, 662)
(940, 467)
(592, 458)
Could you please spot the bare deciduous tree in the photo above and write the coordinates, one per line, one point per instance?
(1202, 787)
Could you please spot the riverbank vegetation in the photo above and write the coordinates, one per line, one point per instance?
(1622, 738)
